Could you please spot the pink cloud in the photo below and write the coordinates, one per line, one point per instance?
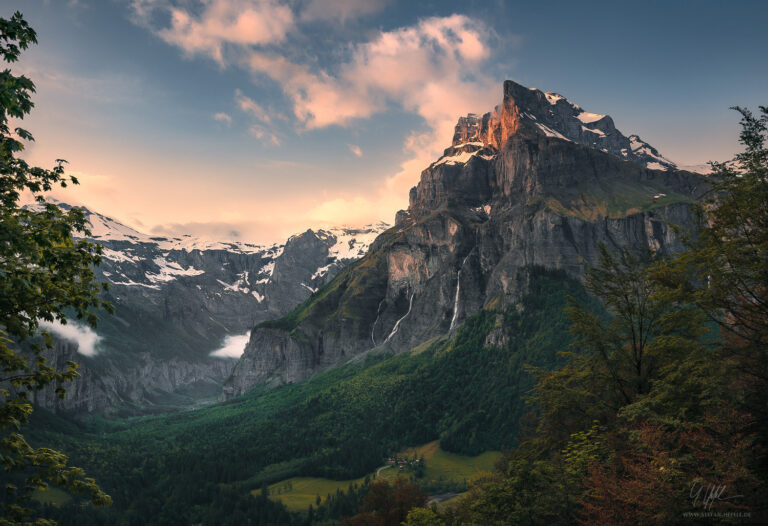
(264, 135)
(223, 118)
(238, 22)
(318, 99)
(355, 150)
(250, 106)
(394, 68)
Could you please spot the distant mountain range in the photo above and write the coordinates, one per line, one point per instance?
(183, 310)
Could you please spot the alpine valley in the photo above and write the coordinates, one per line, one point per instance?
(361, 343)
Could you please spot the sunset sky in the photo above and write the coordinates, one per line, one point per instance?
(255, 119)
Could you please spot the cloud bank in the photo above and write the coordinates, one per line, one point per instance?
(233, 346)
(85, 337)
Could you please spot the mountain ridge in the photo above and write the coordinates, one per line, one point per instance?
(510, 192)
(179, 300)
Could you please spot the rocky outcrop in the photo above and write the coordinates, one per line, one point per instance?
(521, 186)
(148, 384)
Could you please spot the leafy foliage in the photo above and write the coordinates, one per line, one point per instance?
(44, 274)
(387, 505)
(725, 270)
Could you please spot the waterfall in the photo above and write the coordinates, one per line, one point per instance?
(397, 325)
(456, 298)
(378, 313)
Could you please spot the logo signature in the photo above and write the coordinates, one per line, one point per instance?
(705, 495)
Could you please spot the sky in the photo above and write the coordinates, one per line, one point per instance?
(255, 119)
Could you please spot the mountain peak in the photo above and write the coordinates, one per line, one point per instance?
(532, 111)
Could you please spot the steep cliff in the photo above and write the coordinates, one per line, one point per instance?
(538, 181)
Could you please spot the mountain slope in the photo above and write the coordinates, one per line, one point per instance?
(177, 301)
(524, 185)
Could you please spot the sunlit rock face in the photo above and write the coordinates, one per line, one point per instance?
(537, 181)
(554, 116)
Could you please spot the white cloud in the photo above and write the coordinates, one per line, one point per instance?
(223, 117)
(355, 149)
(232, 347)
(85, 337)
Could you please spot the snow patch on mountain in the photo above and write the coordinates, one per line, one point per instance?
(118, 256)
(267, 269)
(322, 271)
(352, 243)
(553, 98)
(596, 131)
(241, 285)
(170, 270)
(549, 132)
(587, 117)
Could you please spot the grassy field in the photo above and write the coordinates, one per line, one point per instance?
(442, 465)
(297, 493)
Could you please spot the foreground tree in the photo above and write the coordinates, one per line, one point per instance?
(725, 270)
(45, 274)
(645, 359)
(659, 418)
(388, 505)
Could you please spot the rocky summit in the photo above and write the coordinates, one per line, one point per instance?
(536, 182)
(183, 309)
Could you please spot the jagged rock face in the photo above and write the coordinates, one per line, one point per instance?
(522, 186)
(177, 299)
(555, 116)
